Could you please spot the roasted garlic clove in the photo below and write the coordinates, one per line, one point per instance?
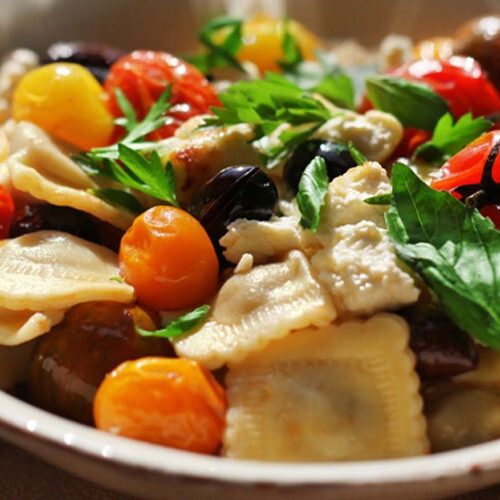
(338, 393)
(256, 307)
(54, 270)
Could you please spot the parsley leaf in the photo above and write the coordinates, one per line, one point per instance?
(180, 326)
(413, 104)
(449, 138)
(453, 248)
(291, 50)
(222, 38)
(136, 131)
(313, 186)
(119, 198)
(356, 154)
(268, 103)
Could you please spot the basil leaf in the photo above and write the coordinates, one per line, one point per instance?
(453, 248)
(338, 89)
(449, 138)
(119, 198)
(356, 154)
(313, 186)
(413, 104)
(180, 326)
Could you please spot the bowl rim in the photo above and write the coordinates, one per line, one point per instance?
(20, 417)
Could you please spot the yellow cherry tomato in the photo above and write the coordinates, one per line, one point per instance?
(67, 102)
(263, 38)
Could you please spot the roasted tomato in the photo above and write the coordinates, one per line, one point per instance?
(72, 360)
(459, 80)
(144, 75)
(169, 259)
(173, 402)
(6, 212)
(473, 175)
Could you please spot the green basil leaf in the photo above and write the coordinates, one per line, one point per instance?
(449, 138)
(180, 326)
(356, 154)
(454, 249)
(313, 187)
(413, 104)
(119, 198)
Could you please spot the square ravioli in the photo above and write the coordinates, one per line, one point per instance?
(337, 393)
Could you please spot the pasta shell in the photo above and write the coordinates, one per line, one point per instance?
(52, 270)
(461, 416)
(254, 308)
(18, 327)
(341, 392)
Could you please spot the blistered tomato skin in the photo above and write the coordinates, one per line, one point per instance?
(72, 360)
(263, 41)
(168, 258)
(172, 402)
(6, 212)
(66, 101)
(144, 75)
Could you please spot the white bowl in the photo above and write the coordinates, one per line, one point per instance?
(151, 471)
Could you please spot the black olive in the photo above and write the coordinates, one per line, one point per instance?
(240, 192)
(96, 57)
(37, 217)
(337, 157)
(441, 348)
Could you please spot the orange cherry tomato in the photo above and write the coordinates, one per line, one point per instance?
(6, 212)
(173, 402)
(169, 259)
(263, 39)
(144, 75)
(68, 102)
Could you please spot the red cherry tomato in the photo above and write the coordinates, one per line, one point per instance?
(466, 168)
(144, 75)
(458, 80)
(6, 212)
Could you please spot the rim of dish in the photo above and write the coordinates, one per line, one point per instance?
(99, 445)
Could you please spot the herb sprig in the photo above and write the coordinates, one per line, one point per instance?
(453, 248)
(222, 38)
(449, 138)
(179, 326)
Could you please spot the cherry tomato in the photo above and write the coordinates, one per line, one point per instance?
(6, 212)
(459, 80)
(144, 75)
(68, 102)
(263, 39)
(169, 259)
(173, 402)
(473, 175)
(467, 168)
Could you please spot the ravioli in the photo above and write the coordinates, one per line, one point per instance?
(337, 393)
(53, 270)
(256, 307)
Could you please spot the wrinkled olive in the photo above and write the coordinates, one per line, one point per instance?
(441, 349)
(337, 157)
(37, 217)
(480, 39)
(241, 192)
(96, 57)
(72, 360)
